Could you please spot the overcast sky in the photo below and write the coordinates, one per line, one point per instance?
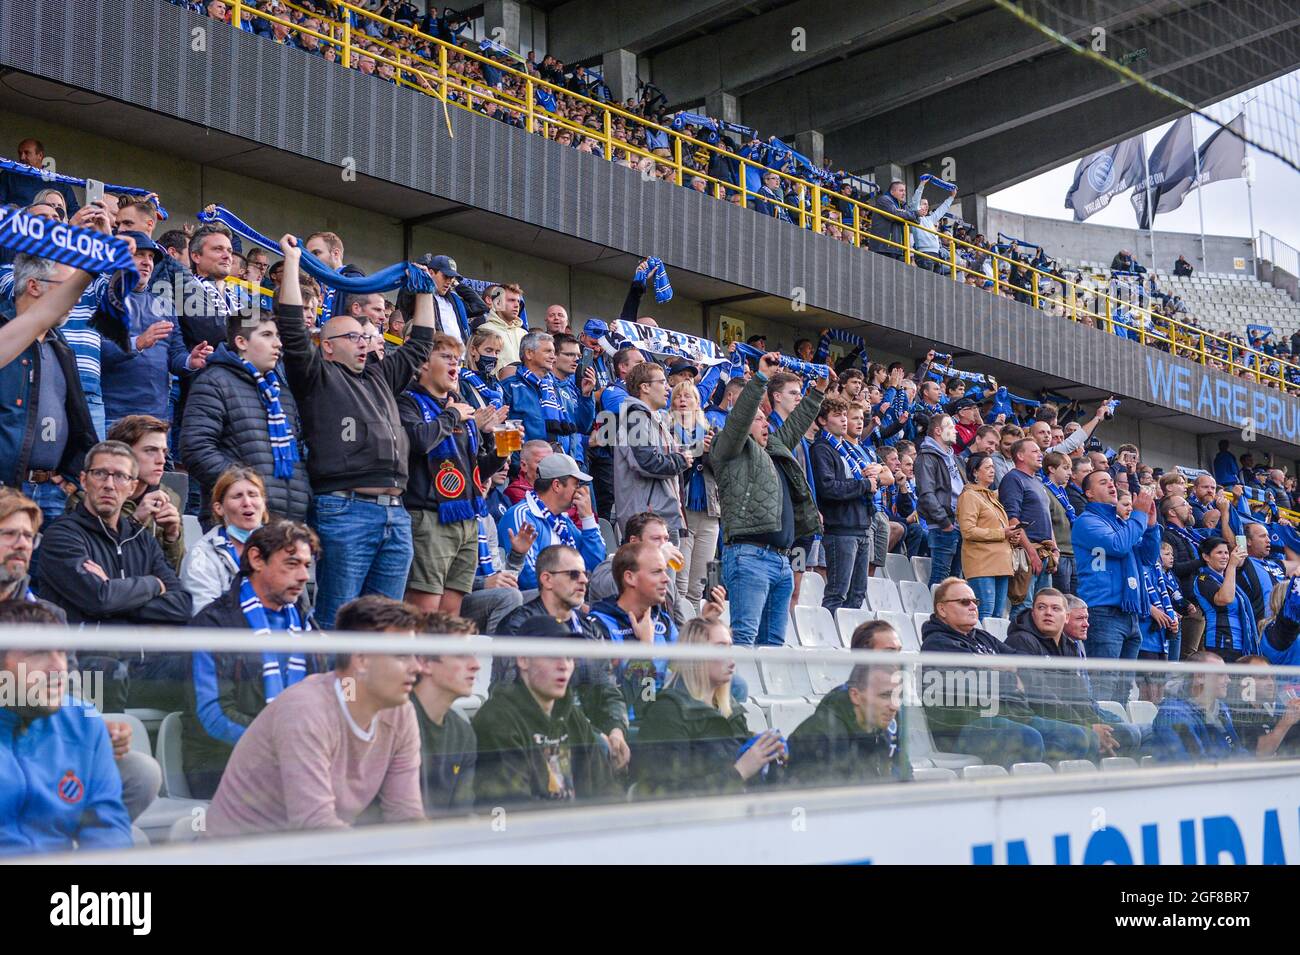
(1271, 120)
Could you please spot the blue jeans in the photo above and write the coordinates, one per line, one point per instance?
(1036, 584)
(847, 569)
(1066, 578)
(51, 499)
(1113, 634)
(992, 594)
(365, 549)
(996, 739)
(96, 405)
(913, 540)
(759, 585)
(944, 558)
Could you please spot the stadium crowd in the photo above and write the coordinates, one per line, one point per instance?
(397, 45)
(433, 463)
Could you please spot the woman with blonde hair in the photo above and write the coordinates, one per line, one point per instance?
(699, 493)
(239, 508)
(692, 736)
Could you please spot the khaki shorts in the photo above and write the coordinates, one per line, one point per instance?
(446, 555)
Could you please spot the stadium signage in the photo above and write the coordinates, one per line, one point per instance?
(1221, 398)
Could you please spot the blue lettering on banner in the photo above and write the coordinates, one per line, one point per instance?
(1220, 837)
(1227, 400)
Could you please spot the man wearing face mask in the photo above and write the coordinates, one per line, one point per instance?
(938, 484)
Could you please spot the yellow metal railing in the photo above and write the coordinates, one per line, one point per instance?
(813, 206)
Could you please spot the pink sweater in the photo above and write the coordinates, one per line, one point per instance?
(302, 765)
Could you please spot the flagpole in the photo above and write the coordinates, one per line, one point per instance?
(1200, 205)
(1151, 213)
(1248, 174)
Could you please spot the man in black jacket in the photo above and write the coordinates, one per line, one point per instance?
(452, 457)
(1065, 694)
(101, 567)
(938, 483)
(358, 460)
(894, 203)
(844, 495)
(226, 691)
(562, 588)
(1178, 534)
(226, 419)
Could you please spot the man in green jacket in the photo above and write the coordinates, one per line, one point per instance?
(534, 742)
(766, 506)
(852, 736)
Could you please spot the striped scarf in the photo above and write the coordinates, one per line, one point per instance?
(452, 485)
(805, 369)
(491, 396)
(1059, 494)
(663, 287)
(552, 410)
(558, 523)
(486, 565)
(284, 449)
(848, 454)
(274, 681)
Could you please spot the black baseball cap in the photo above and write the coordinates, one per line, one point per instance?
(680, 367)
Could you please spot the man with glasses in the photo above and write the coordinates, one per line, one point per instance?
(20, 535)
(358, 460)
(101, 567)
(561, 591)
(647, 463)
(984, 711)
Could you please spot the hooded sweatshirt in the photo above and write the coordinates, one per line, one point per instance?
(633, 674)
(526, 755)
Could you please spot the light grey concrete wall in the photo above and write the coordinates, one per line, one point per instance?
(1099, 243)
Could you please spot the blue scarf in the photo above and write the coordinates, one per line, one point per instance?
(22, 169)
(848, 454)
(1242, 610)
(1059, 494)
(402, 275)
(284, 449)
(274, 682)
(663, 287)
(446, 480)
(552, 410)
(559, 525)
(805, 369)
(697, 496)
(72, 245)
(491, 396)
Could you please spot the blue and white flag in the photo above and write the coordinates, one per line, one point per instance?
(81, 248)
(663, 341)
(1101, 177)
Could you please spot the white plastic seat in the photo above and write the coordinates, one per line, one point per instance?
(609, 534)
(815, 627)
(483, 678)
(1076, 766)
(919, 620)
(899, 568)
(916, 597)
(175, 784)
(786, 715)
(812, 588)
(1142, 712)
(983, 772)
(467, 706)
(748, 671)
(1031, 769)
(920, 744)
(785, 680)
(883, 595)
(1116, 709)
(139, 735)
(902, 624)
(996, 626)
(921, 566)
(933, 774)
(755, 719)
(1110, 763)
(827, 669)
(849, 620)
(193, 530)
